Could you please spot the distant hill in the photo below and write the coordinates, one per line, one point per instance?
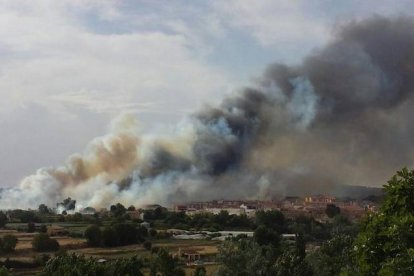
(356, 192)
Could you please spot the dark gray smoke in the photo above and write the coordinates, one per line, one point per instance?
(343, 116)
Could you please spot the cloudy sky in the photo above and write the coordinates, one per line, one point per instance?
(68, 66)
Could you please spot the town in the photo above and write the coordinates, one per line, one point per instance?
(291, 207)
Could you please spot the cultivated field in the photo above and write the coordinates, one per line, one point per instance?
(24, 252)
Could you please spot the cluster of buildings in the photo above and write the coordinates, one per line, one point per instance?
(312, 206)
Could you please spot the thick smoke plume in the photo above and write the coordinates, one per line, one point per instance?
(343, 116)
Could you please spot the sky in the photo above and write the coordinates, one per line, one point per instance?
(68, 67)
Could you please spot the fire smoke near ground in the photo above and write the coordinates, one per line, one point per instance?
(343, 116)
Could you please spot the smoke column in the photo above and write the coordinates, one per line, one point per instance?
(343, 116)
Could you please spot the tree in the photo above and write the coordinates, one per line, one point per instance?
(118, 210)
(109, 237)
(24, 216)
(67, 204)
(334, 257)
(43, 209)
(292, 264)
(271, 219)
(3, 219)
(131, 208)
(385, 243)
(8, 243)
(78, 265)
(300, 246)
(332, 210)
(292, 261)
(93, 235)
(165, 264)
(264, 235)
(43, 243)
(126, 233)
(243, 258)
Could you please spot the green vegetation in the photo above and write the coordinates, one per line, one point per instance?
(334, 257)
(3, 219)
(381, 244)
(164, 264)
(93, 235)
(7, 243)
(76, 265)
(4, 271)
(43, 243)
(385, 244)
(203, 221)
(118, 210)
(117, 234)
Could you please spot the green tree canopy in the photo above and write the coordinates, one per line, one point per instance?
(43, 243)
(43, 209)
(333, 257)
(93, 235)
(242, 258)
(271, 219)
(385, 244)
(164, 264)
(78, 265)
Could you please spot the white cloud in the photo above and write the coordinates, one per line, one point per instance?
(56, 58)
(274, 22)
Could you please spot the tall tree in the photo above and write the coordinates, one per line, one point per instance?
(43, 209)
(385, 244)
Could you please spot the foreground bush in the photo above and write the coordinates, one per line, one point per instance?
(76, 265)
(43, 243)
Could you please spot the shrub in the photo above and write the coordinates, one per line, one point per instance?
(109, 237)
(8, 243)
(43, 243)
(41, 260)
(93, 235)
